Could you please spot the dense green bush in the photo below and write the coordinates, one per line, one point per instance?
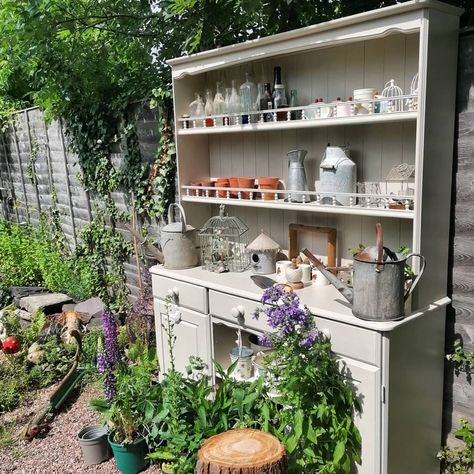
(31, 257)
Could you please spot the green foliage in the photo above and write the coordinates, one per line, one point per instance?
(102, 252)
(463, 360)
(32, 257)
(459, 460)
(89, 348)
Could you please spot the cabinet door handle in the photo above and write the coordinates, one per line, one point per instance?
(238, 311)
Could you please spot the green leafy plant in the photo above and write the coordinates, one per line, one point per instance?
(459, 460)
(316, 416)
(463, 360)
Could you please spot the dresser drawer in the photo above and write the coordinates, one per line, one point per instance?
(350, 341)
(236, 310)
(185, 294)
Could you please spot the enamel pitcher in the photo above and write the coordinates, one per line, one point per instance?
(178, 242)
(378, 292)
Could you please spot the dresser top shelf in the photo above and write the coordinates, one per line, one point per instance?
(323, 301)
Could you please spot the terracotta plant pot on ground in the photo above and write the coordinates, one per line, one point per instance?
(234, 183)
(222, 183)
(268, 182)
(246, 182)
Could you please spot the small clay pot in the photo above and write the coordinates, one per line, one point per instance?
(207, 184)
(268, 182)
(246, 182)
(222, 183)
(195, 192)
(234, 183)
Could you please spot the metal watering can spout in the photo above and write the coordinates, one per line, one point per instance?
(338, 284)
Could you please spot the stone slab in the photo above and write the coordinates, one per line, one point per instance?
(49, 303)
(91, 311)
(22, 314)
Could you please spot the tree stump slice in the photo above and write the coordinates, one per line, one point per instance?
(242, 451)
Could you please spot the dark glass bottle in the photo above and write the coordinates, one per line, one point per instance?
(266, 103)
(276, 78)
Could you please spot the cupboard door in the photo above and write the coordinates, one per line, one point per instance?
(366, 380)
(192, 332)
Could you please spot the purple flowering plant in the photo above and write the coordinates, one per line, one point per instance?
(308, 378)
(128, 381)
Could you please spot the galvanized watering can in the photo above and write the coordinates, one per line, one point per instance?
(178, 242)
(378, 292)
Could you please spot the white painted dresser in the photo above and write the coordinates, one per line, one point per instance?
(397, 367)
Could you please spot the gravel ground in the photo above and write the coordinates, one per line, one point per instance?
(56, 451)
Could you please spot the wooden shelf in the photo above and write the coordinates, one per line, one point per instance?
(304, 207)
(299, 124)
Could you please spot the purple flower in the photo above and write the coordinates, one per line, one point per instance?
(309, 339)
(264, 340)
(110, 329)
(108, 354)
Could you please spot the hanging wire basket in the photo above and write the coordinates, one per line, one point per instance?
(223, 242)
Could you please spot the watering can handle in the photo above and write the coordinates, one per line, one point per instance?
(379, 237)
(181, 213)
(417, 278)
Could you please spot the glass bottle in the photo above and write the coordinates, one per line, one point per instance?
(208, 109)
(295, 114)
(219, 103)
(228, 93)
(234, 103)
(279, 101)
(266, 103)
(196, 107)
(248, 96)
(260, 91)
(276, 78)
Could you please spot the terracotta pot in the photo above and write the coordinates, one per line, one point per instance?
(195, 192)
(234, 183)
(268, 182)
(246, 182)
(222, 183)
(207, 184)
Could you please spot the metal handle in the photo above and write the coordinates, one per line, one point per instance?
(238, 311)
(181, 213)
(417, 278)
(379, 236)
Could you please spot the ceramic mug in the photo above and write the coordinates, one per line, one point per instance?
(306, 268)
(280, 270)
(319, 279)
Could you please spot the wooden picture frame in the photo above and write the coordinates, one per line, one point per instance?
(330, 232)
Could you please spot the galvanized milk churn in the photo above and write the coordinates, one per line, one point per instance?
(337, 174)
(178, 242)
(378, 292)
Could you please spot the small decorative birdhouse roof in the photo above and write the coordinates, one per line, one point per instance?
(263, 243)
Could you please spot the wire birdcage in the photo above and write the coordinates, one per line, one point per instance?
(392, 91)
(223, 242)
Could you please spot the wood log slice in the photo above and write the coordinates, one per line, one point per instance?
(242, 451)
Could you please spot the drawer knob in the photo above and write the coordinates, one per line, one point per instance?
(238, 311)
(326, 333)
(173, 293)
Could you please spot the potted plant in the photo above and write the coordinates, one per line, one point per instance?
(130, 394)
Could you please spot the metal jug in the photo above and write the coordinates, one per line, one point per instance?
(178, 242)
(296, 174)
(378, 292)
(337, 174)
